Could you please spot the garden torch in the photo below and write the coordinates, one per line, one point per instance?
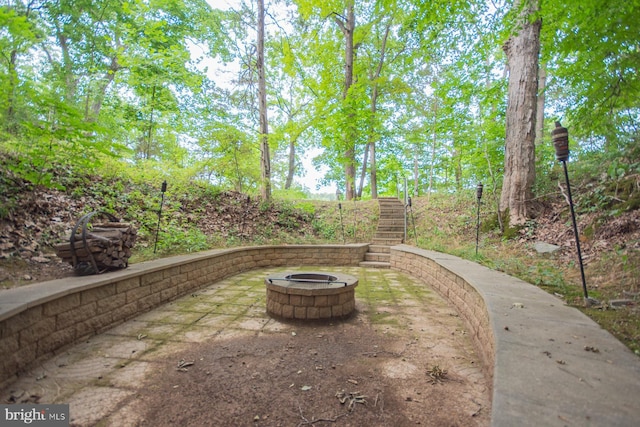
(478, 196)
(560, 137)
(163, 189)
(338, 195)
(413, 221)
(341, 224)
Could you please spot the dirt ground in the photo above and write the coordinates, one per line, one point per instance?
(215, 358)
(343, 375)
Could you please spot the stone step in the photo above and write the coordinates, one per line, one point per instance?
(391, 221)
(390, 235)
(386, 242)
(391, 228)
(392, 209)
(374, 264)
(394, 217)
(374, 256)
(379, 249)
(388, 200)
(394, 230)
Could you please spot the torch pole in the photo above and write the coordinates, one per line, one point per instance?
(341, 224)
(478, 196)
(560, 137)
(413, 221)
(163, 189)
(575, 232)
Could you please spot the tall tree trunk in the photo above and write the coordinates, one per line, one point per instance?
(457, 167)
(103, 85)
(363, 172)
(432, 161)
(374, 109)
(374, 173)
(10, 120)
(292, 164)
(522, 51)
(542, 84)
(265, 159)
(416, 172)
(150, 132)
(293, 141)
(347, 25)
(238, 183)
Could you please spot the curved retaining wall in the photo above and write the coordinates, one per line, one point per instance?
(550, 364)
(40, 319)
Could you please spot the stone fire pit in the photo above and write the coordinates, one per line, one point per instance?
(310, 295)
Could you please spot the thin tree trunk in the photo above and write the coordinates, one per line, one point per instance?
(105, 81)
(150, 132)
(457, 165)
(237, 166)
(542, 84)
(291, 169)
(374, 109)
(348, 26)
(292, 164)
(11, 125)
(522, 51)
(374, 173)
(416, 172)
(433, 147)
(363, 172)
(265, 159)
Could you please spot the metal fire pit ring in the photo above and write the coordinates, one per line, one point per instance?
(310, 295)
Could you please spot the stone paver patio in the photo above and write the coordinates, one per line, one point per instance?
(101, 377)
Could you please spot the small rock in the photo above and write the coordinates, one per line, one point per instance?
(40, 259)
(620, 302)
(545, 248)
(27, 277)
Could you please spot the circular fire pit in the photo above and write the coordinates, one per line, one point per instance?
(310, 295)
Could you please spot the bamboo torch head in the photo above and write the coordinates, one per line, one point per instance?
(479, 191)
(560, 137)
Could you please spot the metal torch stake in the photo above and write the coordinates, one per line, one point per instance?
(413, 221)
(163, 189)
(560, 137)
(341, 224)
(478, 196)
(575, 232)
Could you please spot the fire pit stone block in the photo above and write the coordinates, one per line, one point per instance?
(310, 295)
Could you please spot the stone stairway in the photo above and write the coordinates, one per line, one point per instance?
(390, 232)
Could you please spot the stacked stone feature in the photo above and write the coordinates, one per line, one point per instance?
(390, 232)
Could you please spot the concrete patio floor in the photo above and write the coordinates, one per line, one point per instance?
(102, 377)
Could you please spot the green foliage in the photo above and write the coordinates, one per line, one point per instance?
(122, 88)
(178, 240)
